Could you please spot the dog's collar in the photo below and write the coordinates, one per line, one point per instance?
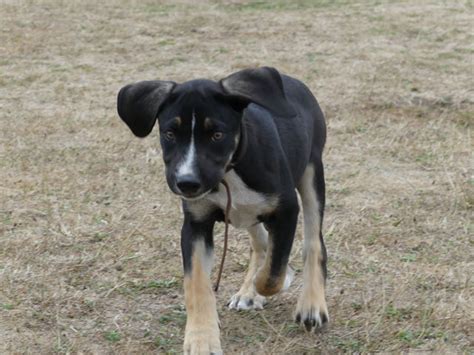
(241, 147)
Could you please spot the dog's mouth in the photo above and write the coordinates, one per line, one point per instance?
(193, 197)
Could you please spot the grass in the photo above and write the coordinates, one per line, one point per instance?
(89, 233)
(112, 336)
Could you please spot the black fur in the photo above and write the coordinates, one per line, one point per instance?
(284, 131)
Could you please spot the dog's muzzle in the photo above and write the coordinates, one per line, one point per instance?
(188, 185)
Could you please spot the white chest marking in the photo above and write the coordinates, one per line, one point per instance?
(187, 165)
(247, 204)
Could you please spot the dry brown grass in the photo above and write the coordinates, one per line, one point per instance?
(89, 243)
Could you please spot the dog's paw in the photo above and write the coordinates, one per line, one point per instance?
(201, 342)
(247, 300)
(312, 314)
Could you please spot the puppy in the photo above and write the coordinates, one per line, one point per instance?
(263, 133)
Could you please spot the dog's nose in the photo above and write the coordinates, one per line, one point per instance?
(188, 184)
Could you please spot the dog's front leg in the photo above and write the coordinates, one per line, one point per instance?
(281, 226)
(202, 324)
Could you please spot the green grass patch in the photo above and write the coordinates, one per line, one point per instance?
(372, 239)
(414, 338)
(113, 336)
(425, 158)
(149, 286)
(408, 258)
(171, 283)
(166, 42)
(99, 237)
(167, 344)
(174, 317)
(407, 336)
(397, 313)
(350, 345)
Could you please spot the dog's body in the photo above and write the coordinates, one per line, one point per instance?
(264, 134)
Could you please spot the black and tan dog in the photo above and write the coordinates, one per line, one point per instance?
(263, 133)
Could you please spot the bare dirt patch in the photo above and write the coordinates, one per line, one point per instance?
(89, 234)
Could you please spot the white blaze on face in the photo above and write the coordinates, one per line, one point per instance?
(187, 165)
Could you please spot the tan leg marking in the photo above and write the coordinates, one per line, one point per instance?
(202, 325)
(311, 309)
(247, 297)
(265, 283)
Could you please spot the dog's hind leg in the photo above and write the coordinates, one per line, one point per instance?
(311, 309)
(247, 297)
(272, 276)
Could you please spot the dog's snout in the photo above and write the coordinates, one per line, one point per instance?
(188, 184)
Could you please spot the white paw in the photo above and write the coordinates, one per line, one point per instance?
(311, 312)
(245, 301)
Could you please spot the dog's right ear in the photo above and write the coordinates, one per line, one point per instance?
(138, 104)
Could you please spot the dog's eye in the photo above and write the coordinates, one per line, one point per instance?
(217, 136)
(169, 135)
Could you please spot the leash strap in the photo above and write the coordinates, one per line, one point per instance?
(241, 150)
(226, 233)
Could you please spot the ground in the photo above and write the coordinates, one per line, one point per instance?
(89, 233)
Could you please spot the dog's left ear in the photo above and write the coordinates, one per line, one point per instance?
(262, 86)
(138, 104)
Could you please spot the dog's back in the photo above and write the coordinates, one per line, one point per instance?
(301, 137)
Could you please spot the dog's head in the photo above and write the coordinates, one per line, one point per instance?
(199, 121)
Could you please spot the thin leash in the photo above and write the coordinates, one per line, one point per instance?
(241, 149)
(226, 233)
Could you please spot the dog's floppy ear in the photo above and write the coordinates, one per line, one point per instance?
(138, 104)
(262, 86)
